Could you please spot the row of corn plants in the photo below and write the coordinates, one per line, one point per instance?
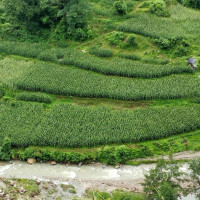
(182, 23)
(35, 96)
(61, 80)
(67, 125)
(114, 66)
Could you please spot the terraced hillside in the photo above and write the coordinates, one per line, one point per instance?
(106, 90)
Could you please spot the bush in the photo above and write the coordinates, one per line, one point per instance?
(181, 51)
(120, 7)
(48, 155)
(5, 150)
(34, 96)
(190, 3)
(115, 38)
(131, 41)
(80, 35)
(114, 155)
(158, 7)
(100, 52)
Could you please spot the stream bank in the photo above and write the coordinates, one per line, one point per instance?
(96, 176)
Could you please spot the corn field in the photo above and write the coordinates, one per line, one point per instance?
(56, 79)
(183, 22)
(114, 66)
(67, 125)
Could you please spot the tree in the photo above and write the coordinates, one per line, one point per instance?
(65, 18)
(5, 149)
(164, 182)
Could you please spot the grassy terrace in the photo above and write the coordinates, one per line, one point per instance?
(56, 79)
(113, 66)
(66, 125)
(65, 99)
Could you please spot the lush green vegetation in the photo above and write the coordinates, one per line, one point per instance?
(66, 19)
(138, 53)
(32, 96)
(66, 125)
(174, 27)
(116, 66)
(56, 79)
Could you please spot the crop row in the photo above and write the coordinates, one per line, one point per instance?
(182, 23)
(113, 66)
(74, 126)
(56, 79)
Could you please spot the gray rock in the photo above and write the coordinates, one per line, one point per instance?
(193, 63)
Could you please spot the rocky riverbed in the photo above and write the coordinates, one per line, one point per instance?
(71, 181)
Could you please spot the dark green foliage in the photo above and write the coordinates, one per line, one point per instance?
(74, 126)
(181, 51)
(120, 7)
(164, 182)
(190, 3)
(66, 19)
(49, 155)
(100, 52)
(164, 43)
(131, 41)
(167, 44)
(34, 96)
(5, 149)
(114, 155)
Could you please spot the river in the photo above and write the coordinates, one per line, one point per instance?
(93, 175)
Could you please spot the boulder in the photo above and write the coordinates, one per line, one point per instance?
(53, 163)
(117, 167)
(12, 183)
(31, 161)
(38, 182)
(21, 190)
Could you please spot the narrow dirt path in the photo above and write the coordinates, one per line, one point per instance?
(185, 155)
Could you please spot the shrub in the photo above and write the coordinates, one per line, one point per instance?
(181, 51)
(120, 7)
(158, 7)
(164, 43)
(131, 41)
(190, 3)
(34, 96)
(48, 155)
(100, 52)
(115, 38)
(80, 35)
(5, 149)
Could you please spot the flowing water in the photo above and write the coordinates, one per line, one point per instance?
(94, 175)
